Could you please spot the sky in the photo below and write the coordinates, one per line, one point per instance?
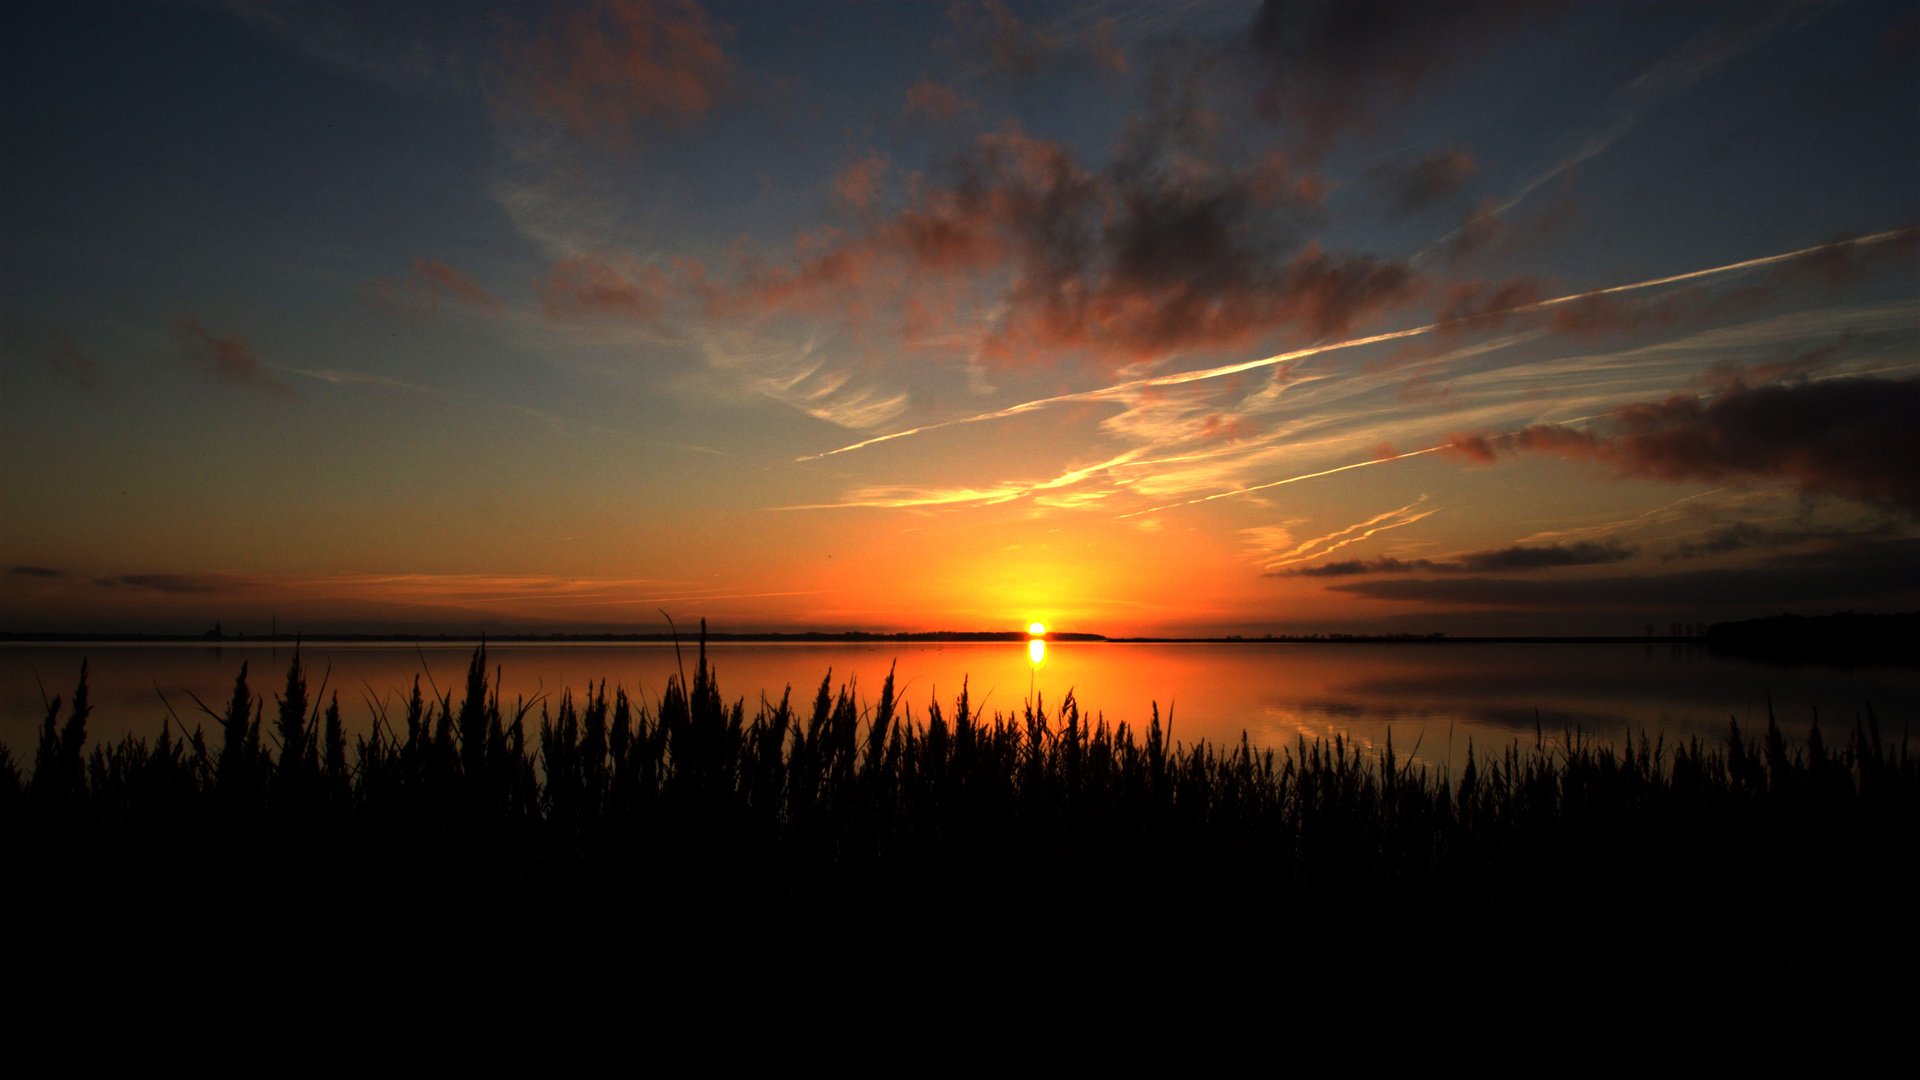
(1462, 316)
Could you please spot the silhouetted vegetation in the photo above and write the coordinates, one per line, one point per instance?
(845, 814)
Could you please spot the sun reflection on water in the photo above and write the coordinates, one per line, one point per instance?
(1037, 650)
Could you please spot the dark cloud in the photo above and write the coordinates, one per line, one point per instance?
(1879, 571)
(1516, 558)
(1164, 249)
(228, 359)
(1440, 173)
(603, 66)
(1332, 65)
(1851, 437)
(1743, 535)
(1521, 557)
(37, 572)
(64, 354)
(170, 583)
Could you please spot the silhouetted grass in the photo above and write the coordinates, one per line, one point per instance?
(845, 816)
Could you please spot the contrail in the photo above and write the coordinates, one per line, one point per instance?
(1317, 475)
(1278, 483)
(1353, 343)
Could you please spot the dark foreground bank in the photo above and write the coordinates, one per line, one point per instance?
(572, 827)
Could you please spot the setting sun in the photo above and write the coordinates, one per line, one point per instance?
(1037, 629)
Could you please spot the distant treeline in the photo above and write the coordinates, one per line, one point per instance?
(841, 813)
(1844, 638)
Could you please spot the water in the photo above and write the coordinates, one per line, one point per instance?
(1435, 696)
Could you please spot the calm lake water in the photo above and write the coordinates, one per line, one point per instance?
(1439, 696)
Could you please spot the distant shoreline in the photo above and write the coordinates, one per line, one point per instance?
(851, 636)
(1845, 637)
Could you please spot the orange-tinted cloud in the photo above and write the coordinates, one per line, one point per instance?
(929, 99)
(859, 183)
(601, 285)
(1104, 48)
(603, 66)
(444, 278)
(1849, 437)
(1012, 46)
(228, 359)
(420, 291)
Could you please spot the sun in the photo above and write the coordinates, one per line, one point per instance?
(1037, 629)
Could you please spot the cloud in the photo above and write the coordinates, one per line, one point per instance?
(601, 67)
(859, 183)
(37, 572)
(1011, 46)
(1103, 46)
(228, 359)
(1744, 535)
(1439, 174)
(419, 293)
(1517, 557)
(1016, 246)
(1794, 367)
(602, 285)
(66, 358)
(172, 583)
(1881, 571)
(1469, 443)
(1851, 437)
(1331, 65)
(933, 101)
(1276, 548)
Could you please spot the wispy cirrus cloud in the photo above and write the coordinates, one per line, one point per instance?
(1131, 386)
(227, 359)
(1274, 559)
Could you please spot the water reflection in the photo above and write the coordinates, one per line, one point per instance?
(1438, 695)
